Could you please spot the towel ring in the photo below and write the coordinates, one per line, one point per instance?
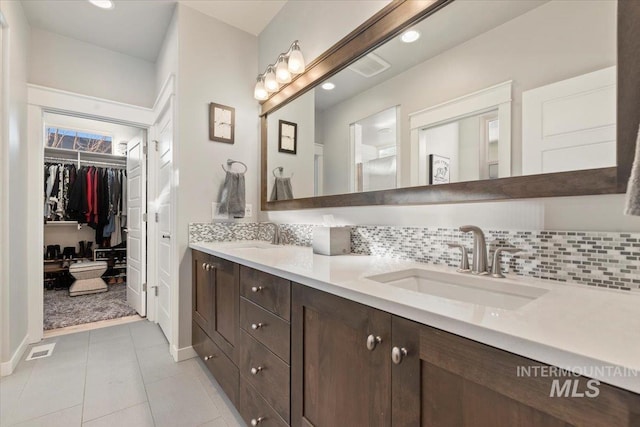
(281, 170)
(231, 162)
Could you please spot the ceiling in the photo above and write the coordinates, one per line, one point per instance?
(137, 27)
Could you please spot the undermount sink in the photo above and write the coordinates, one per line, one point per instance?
(498, 293)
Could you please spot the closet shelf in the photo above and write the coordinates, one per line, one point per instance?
(60, 223)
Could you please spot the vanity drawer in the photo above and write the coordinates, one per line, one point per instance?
(266, 327)
(255, 410)
(267, 373)
(266, 290)
(222, 368)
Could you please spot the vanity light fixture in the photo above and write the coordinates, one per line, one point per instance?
(328, 86)
(102, 4)
(410, 36)
(286, 66)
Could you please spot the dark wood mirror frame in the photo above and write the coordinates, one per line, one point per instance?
(392, 20)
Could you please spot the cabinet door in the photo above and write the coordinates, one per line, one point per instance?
(448, 381)
(335, 379)
(202, 291)
(226, 306)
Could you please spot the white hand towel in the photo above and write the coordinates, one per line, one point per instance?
(633, 188)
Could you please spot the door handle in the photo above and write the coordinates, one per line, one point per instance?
(166, 236)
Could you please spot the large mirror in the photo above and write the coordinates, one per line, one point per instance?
(477, 91)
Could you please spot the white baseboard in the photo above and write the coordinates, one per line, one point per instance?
(7, 368)
(184, 353)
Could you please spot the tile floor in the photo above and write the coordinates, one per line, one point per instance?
(117, 376)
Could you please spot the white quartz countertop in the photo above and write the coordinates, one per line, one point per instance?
(590, 331)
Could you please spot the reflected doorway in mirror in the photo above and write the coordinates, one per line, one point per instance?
(438, 169)
(287, 137)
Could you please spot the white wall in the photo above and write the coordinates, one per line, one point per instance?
(217, 63)
(64, 63)
(15, 169)
(468, 164)
(568, 213)
(318, 25)
(167, 62)
(300, 164)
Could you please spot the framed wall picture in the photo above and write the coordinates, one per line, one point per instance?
(221, 123)
(438, 169)
(287, 137)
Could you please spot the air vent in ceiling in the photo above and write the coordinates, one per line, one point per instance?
(369, 65)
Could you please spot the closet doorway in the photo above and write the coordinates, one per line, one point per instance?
(94, 231)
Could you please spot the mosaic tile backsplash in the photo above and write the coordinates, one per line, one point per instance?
(602, 259)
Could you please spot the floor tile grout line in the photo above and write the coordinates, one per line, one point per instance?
(86, 370)
(146, 393)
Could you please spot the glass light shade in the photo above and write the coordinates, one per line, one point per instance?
(296, 61)
(260, 93)
(282, 71)
(270, 82)
(102, 4)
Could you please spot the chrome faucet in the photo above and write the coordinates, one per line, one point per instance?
(277, 233)
(479, 264)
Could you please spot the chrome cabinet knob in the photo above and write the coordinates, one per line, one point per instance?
(208, 357)
(256, 326)
(397, 354)
(204, 265)
(256, 421)
(256, 288)
(208, 267)
(254, 371)
(373, 341)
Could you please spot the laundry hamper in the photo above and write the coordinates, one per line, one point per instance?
(88, 278)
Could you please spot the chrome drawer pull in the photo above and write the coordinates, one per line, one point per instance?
(256, 326)
(208, 357)
(256, 421)
(256, 288)
(254, 371)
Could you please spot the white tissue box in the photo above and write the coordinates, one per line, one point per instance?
(331, 240)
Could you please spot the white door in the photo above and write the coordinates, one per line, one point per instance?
(570, 125)
(136, 227)
(163, 174)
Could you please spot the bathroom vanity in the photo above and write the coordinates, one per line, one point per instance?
(300, 339)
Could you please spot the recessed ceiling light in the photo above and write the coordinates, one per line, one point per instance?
(410, 36)
(328, 86)
(102, 4)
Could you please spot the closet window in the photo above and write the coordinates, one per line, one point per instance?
(78, 140)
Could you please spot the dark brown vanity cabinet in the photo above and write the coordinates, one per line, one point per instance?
(341, 371)
(357, 366)
(215, 307)
(265, 311)
(288, 354)
(443, 380)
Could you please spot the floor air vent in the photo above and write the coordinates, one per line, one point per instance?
(40, 351)
(369, 65)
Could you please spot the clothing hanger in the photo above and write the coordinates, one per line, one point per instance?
(231, 162)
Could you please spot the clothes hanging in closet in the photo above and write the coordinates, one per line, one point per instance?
(90, 195)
